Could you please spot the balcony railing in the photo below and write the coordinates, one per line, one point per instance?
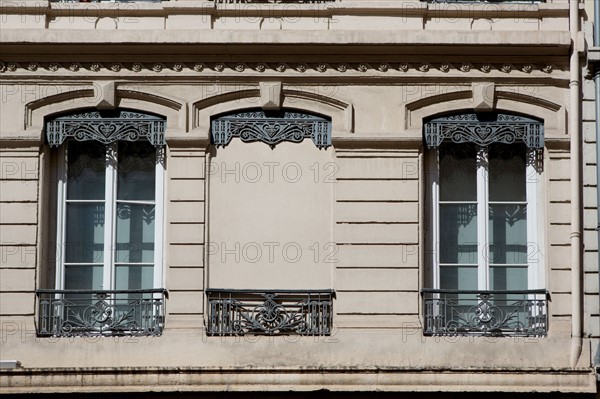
(106, 1)
(273, 1)
(67, 313)
(269, 312)
(487, 313)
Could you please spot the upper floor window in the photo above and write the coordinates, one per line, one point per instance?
(109, 224)
(485, 249)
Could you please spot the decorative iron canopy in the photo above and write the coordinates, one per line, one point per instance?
(106, 127)
(484, 129)
(271, 128)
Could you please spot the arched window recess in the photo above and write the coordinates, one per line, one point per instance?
(271, 127)
(109, 225)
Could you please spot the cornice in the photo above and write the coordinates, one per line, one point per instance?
(311, 68)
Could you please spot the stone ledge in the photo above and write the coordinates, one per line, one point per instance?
(188, 379)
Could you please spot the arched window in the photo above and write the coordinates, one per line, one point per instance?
(108, 275)
(280, 200)
(485, 252)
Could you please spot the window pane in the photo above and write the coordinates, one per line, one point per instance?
(86, 170)
(458, 278)
(137, 161)
(458, 179)
(508, 278)
(458, 233)
(134, 277)
(508, 234)
(85, 233)
(84, 277)
(507, 174)
(135, 233)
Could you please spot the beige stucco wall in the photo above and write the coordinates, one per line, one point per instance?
(368, 205)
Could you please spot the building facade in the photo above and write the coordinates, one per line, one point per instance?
(297, 195)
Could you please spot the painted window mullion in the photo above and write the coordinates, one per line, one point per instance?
(482, 220)
(159, 216)
(109, 224)
(61, 218)
(535, 271)
(435, 217)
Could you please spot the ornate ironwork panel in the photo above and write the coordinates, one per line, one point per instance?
(274, 1)
(106, 127)
(67, 313)
(271, 128)
(269, 312)
(487, 313)
(484, 129)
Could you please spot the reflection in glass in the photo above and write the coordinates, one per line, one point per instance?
(507, 172)
(458, 277)
(136, 171)
(508, 234)
(83, 277)
(135, 233)
(458, 180)
(85, 233)
(458, 233)
(134, 277)
(508, 278)
(86, 170)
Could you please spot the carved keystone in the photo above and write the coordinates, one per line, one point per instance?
(484, 96)
(270, 95)
(105, 95)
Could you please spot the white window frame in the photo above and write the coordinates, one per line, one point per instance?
(110, 201)
(535, 239)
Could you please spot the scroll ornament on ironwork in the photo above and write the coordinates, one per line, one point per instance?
(270, 318)
(484, 130)
(271, 129)
(102, 316)
(490, 319)
(106, 127)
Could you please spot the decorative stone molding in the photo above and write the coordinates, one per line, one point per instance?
(281, 67)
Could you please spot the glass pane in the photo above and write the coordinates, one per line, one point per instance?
(85, 233)
(508, 278)
(458, 233)
(83, 277)
(135, 233)
(134, 277)
(86, 170)
(508, 234)
(507, 174)
(458, 278)
(137, 161)
(458, 172)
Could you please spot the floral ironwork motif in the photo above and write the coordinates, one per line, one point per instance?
(271, 128)
(485, 129)
(489, 313)
(66, 313)
(106, 127)
(239, 312)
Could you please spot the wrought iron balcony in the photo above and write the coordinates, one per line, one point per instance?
(67, 313)
(485, 1)
(487, 313)
(106, 1)
(269, 312)
(273, 1)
